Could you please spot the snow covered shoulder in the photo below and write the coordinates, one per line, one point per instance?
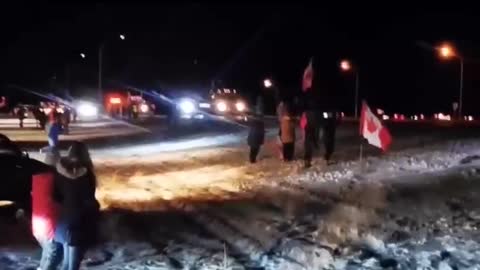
(416, 208)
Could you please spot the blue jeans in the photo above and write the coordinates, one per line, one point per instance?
(72, 257)
(51, 255)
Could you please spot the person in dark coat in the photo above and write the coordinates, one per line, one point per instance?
(75, 191)
(256, 136)
(309, 125)
(323, 98)
(21, 115)
(40, 116)
(329, 122)
(66, 117)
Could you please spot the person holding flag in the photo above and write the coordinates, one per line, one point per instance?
(319, 112)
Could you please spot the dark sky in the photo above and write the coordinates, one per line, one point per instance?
(189, 44)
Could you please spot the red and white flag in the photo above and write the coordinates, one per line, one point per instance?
(307, 77)
(371, 128)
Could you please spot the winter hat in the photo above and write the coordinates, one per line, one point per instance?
(78, 155)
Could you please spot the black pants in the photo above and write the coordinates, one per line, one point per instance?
(72, 257)
(288, 151)
(254, 150)
(328, 127)
(20, 122)
(309, 145)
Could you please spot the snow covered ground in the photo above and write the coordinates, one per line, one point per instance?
(417, 207)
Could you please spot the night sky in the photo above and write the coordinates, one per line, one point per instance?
(178, 46)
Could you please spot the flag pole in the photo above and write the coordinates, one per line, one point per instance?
(360, 158)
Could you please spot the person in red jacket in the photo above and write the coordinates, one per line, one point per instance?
(45, 213)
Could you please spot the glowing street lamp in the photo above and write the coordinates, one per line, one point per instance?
(446, 51)
(346, 66)
(83, 55)
(122, 37)
(267, 83)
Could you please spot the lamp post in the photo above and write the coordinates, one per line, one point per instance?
(446, 51)
(346, 66)
(68, 73)
(100, 66)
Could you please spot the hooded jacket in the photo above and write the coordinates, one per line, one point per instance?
(79, 209)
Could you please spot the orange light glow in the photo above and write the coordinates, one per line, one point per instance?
(446, 51)
(115, 100)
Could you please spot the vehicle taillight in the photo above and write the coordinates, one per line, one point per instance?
(115, 100)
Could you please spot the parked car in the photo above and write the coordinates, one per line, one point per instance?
(17, 171)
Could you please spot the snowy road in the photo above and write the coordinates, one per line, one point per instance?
(207, 208)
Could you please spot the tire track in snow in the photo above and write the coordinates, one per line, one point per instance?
(243, 249)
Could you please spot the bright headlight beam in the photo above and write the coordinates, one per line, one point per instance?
(240, 106)
(87, 110)
(144, 108)
(221, 106)
(187, 106)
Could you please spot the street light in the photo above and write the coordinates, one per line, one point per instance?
(267, 83)
(446, 51)
(122, 37)
(346, 66)
(83, 55)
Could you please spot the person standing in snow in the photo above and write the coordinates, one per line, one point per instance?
(45, 213)
(66, 117)
(287, 136)
(280, 110)
(77, 224)
(322, 100)
(53, 129)
(21, 115)
(256, 133)
(309, 125)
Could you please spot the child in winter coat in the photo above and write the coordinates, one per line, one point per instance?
(256, 137)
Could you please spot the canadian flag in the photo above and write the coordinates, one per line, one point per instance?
(307, 77)
(372, 129)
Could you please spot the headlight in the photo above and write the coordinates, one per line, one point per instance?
(47, 110)
(87, 110)
(240, 106)
(144, 108)
(222, 106)
(186, 106)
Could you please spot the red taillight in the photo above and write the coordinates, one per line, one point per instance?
(115, 100)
